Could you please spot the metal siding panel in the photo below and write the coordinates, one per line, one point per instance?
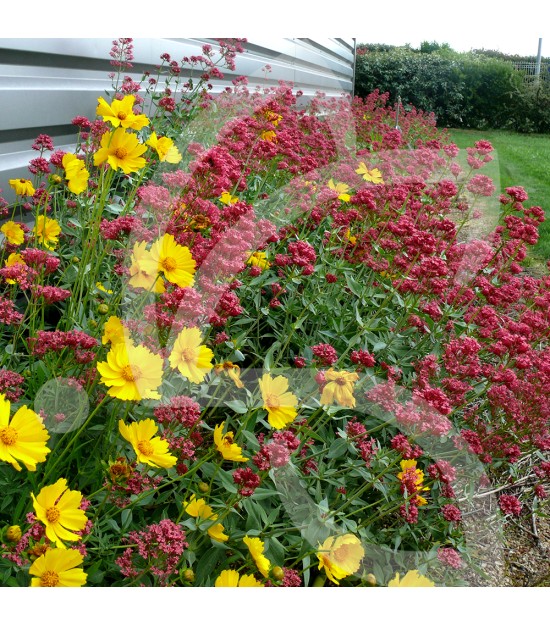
(44, 83)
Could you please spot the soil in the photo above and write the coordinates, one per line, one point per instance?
(521, 557)
(527, 552)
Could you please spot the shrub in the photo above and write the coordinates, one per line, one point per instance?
(471, 90)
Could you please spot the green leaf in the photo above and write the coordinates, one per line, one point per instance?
(264, 493)
(126, 518)
(95, 576)
(227, 481)
(337, 448)
(207, 564)
(307, 573)
(268, 360)
(276, 550)
(237, 405)
(253, 520)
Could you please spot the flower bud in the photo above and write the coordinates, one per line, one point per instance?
(277, 573)
(13, 534)
(188, 575)
(203, 487)
(370, 579)
(103, 309)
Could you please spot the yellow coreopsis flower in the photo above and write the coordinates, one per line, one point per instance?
(114, 332)
(370, 175)
(408, 467)
(228, 199)
(150, 449)
(272, 117)
(144, 269)
(278, 401)
(121, 113)
(350, 237)
(199, 509)
(192, 359)
(22, 186)
(173, 260)
(165, 148)
(256, 548)
(13, 232)
(232, 579)
(225, 445)
(340, 556)
(258, 259)
(132, 372)
(101, 288)
(339, 388)
(58, 567)
(268, 135)
(12, 260)
(47, 231)
(23, 438)
(341, 188)
(58, 508)
(232, 370)
(122, 150)
(410, 579)
(76, 173)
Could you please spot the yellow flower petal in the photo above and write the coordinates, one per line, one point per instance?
(225, 445)
(411, 579)
(280, 404)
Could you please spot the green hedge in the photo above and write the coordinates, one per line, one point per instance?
(468, 90)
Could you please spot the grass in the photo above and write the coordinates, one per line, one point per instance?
(523, 160)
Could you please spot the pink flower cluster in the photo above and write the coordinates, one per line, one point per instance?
(157, 548)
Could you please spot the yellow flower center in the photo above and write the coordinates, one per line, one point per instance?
(52, 514)
(146, 448)
(168, 263)
(122, 115)
(342, 553)
(8, 435)
(228, 440)
(130, 374)
(49, 579)
(188, 354)
(199, 222)
(341, 381)
(121, 152)
(119, 470)
(272, 401)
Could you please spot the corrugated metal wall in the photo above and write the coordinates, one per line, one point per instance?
(44, 83)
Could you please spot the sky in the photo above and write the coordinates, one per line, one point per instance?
(511, 26)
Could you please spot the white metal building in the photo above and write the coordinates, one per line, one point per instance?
(45, 83)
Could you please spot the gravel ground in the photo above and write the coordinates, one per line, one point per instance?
(519, 558)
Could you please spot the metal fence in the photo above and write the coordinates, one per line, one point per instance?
(45, 83)
(530, 71)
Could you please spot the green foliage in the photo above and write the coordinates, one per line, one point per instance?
(427, 81)
(465, 90)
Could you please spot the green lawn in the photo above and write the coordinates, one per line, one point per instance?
(523, 160)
